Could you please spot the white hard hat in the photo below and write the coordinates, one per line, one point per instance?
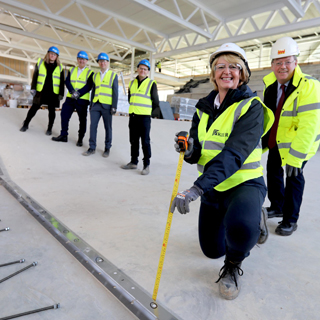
(284, 47)
(228, 48)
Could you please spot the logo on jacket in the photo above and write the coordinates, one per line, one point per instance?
(282, 51)
(219, 134)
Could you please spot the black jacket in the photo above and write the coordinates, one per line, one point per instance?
(154, 98)
(243, 139)
(47, 91)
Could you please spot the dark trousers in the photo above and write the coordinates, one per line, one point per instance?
(286, 198)
(230, 225)
(97, 111)
(81, 107)
(139, 128)
(52, 104)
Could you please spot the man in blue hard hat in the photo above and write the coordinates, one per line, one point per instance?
(143, 99)
(79, 83)
(104, 102)
(47, 87)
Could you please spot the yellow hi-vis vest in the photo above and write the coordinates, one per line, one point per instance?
(140, 98)
(43, 74)
(213, 141)
(80, 82)
(298, 134)
(103, 91)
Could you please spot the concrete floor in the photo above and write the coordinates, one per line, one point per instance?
(123, 216)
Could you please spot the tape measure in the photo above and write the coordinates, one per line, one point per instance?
(167, 231)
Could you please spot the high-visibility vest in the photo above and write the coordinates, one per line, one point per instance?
(78, 83)
(140, 98)
(43, 74)
(298, 134)
(213, 141)
(103, 90)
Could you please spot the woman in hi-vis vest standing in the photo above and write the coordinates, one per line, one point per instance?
(225, 143)
(47, 87)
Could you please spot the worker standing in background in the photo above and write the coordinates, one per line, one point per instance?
(294, 138)
(47, 87)
(104, 102)
(143, 99)
(79, 83)
(159, 66)
(225, 143)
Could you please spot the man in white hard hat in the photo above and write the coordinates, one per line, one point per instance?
(294, 138)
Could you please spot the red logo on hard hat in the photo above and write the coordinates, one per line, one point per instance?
(281, 51)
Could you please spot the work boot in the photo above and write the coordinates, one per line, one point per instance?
(273, 213)
(129, 165)
(49, 132)
(60, 138)
(264, 232)
(145, 171)
(24, 127)
(229, 281)
(89, 152)
(106, 153)
(286, 228)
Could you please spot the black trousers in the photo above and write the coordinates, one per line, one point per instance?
(230, 224)
(139, 128)
(286, 198)
(81, 107)
(52, 104)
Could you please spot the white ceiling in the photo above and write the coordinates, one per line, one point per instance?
(181, 33)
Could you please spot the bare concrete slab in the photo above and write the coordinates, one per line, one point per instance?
(57, 278)
(122, 214)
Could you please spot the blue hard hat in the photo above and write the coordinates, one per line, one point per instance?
(102, 56)
(82, 55)
(54, 50)
(145, 63)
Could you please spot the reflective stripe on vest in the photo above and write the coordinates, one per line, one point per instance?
(79, 83)
(103, 91)
(140, 98)
(43, 74)
(213, 142)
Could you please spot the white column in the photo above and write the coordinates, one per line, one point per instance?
(133, 67)
(29, 73)
(153, 67)
(260, 56)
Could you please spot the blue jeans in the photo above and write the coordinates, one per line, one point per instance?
(97, 111)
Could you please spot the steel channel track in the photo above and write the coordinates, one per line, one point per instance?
(128, 292)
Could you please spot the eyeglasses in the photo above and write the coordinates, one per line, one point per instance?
(286, 63)
(231, 67)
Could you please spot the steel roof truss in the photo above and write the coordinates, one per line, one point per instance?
(295, 7)
(72, 23)
(174, 17)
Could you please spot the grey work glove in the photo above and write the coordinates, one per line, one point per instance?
(182, 200)
(189, 151)
(292, 171)
(33, 92)
(75, 95)
(60, 97)
(113, 111)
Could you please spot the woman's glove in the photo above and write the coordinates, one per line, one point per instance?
(182, 200)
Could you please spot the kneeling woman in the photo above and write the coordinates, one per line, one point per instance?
(224, 141)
